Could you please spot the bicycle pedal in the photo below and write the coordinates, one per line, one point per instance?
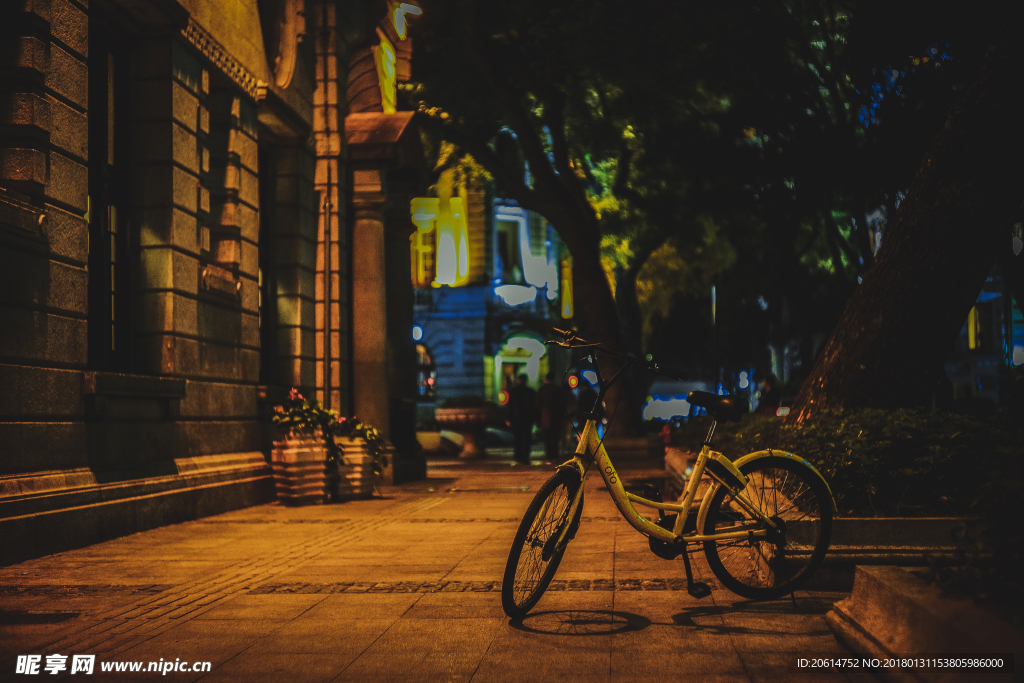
(699, 589)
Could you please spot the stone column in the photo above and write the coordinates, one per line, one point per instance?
(403, 185)
(369, 301)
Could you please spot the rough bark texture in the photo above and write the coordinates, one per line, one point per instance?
(900, 323)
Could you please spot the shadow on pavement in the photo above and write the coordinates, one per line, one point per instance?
(581, 623)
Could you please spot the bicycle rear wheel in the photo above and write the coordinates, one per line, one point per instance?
(533, 559)
(798, 501)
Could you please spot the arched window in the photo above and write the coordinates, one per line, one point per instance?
(426, 374)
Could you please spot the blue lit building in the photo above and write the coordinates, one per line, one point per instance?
(473, 337)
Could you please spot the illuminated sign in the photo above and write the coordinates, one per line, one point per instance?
(384, 58)
(397, 14)
(450, 250)
(516, 295)
(567, 311)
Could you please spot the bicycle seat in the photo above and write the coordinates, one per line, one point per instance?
(724, 408)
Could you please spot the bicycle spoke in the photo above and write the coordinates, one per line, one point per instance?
(756, 567)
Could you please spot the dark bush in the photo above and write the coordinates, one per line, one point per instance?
(906, 462)
(914, 463)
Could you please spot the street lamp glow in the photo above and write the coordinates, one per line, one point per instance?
(417, 332)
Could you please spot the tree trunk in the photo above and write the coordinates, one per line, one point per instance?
(893, 336)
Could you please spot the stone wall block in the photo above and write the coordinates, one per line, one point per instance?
(293, 251)
(35, 336)
(69, 130)
(67, 234)
(186, 151)
(247, 220)
(187, 357)
(186, 190)
(250, 296)
(41, 446)
(296, 342)
(248, 152)
(132, 445)
(250, 330)
(248, 187)
(216, 401)
(218, 324)
(165, 268)
(296, 282)
(32, 53)
(70, 25)
(68, 76)
(42, 392)
(249, 263)
(163, 226)
(26, 109)
(27, 167)
(68, 181)
(209, 437)
(168, 312)
(220, 361)
(166, 142)
(152, 185)
(33, 281)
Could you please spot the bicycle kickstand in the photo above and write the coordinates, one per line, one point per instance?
(697, 589)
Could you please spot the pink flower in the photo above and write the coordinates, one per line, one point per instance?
(294, 395)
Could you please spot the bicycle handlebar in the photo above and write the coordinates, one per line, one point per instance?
(570, 336)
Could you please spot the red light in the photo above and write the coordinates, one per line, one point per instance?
(782, 412)
(502, 397)
(573, 381)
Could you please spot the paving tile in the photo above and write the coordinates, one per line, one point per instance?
(361, 606)
(301, 629)
(301, 668)
(270, 607)
(460, 606)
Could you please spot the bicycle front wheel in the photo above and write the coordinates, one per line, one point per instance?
(533, 560)
(798, 501)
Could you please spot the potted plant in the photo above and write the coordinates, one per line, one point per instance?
(469, 416)
(299, 457)
(356, 457)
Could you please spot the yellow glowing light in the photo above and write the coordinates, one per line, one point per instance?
(384, 58)
(451, 250)
(447, 260)
(424, 211)
(973, 329)
(461, 237)
(567, 311)
(398, 12)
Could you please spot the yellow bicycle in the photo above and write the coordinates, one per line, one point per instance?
(765, 521)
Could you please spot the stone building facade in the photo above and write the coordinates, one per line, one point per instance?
(175, 253)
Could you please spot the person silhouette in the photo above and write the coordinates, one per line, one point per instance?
(522, 413)
(549, 410)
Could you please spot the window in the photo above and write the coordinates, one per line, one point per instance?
(426, 374)
(110, 245)
(508, 267)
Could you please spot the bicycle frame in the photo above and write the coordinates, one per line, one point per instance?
(591, 443)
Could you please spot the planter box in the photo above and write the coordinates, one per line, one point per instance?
(893, 541)
(299, 463)
(354, 475)
(892, 612)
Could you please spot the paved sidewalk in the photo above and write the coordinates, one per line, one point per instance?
(401, 588)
